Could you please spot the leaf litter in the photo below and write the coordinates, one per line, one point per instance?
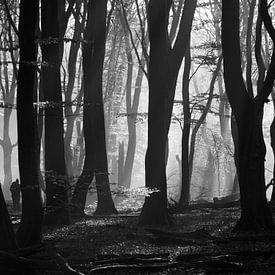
(200, 242)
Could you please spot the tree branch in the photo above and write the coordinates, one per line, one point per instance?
(10, 17)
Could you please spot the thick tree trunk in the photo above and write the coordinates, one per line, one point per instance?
(155, 210)
(248, 112)
(164, 65)
(93, 118)
(29, 231)
(255, 212)
(55, 168)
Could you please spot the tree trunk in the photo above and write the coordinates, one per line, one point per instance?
(272, 143)
(131, 122)
(70, 113)
(272, 139)
(93, 118)
(8, 94)
(7, 236)
(7, 150)
(29, 231)
(164, 65)
(185, 179)
(248, 112)
(55, 168)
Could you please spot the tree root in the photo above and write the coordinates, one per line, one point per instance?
(15, 263)
(197, 236)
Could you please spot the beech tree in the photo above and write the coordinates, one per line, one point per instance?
(164, 64)
(29, 232)
(248, 113)
(55, 168)
(8, 73)
(95, 163)
(73, 74)
(132, 97)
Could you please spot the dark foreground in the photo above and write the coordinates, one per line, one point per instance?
(199, 243)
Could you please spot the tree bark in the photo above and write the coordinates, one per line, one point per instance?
(55, 168)
(29, 231)
(248, 112)
(95, 163)
(185, 179)
(71, 113)
(7, 236)
(164, 65)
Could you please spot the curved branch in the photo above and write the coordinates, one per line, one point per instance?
(131, 37)
(267, 19)
(203, 115)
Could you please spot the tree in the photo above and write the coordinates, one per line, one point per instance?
(74, 71)
(164, 65)
(7, 237)
(95, 163)
(132, 100)
(248, 113)
(29, 232)
(9, 49)
(55, 168)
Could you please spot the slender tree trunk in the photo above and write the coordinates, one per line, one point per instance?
(185, 185)
(128, 163)
(132, 139)
(120, 163)
(55, 168)
(7, 150)
(202, 117)
(29, 231)
(8, 94)
(70, 113)
(272, 138)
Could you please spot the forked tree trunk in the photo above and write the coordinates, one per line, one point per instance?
(95, 163)
(248, 113)
(164, 65)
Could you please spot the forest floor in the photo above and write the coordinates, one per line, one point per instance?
(200, 242)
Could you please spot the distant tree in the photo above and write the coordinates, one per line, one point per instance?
(9, 50)
(132, 95)
(95, 163)
(29, 231)
(248, 113)
(164, 64)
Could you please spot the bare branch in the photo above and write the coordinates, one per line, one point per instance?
(9, 17)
